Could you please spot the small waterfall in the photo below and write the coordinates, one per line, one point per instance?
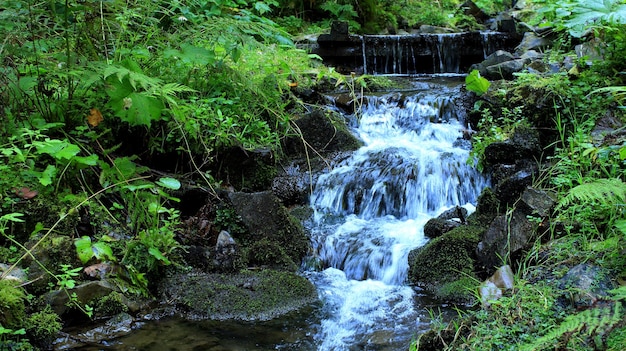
(371, 210)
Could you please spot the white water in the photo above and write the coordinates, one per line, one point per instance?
(371, 210)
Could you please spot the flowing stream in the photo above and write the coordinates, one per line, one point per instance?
(371, 208)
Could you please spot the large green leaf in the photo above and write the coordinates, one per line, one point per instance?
(474, 82)
(138, 108)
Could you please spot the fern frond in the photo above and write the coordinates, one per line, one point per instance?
(600, 191)
(591, 323)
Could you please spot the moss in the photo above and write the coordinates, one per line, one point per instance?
(487, 208)
(110, 305)
(269, 254)
(447, 258)
(249, 295)
(12, 304)
(43, 326)
(458, 290)
(617, 339)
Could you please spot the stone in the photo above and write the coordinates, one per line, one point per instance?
(586, 283)
(226, 253)
(469, 8)
(505, 240)
(510, 188)
(436, 227)
(267, 220)
(12, 273)
(245, 296)
(504, 70)
(455, 212)
(537, 202)
(322, 131)
(445, 259)
(523, 144)
(531, 41)
(59, 300)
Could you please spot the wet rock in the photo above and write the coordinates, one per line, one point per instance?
(532, 41)
(59, 300)
(267, 220)
(445, 259)
(457, 212)
(487, 208)
(523, 144)
(536, 202)
(226, 257)
(469, 8)
(428, 29)
(493, 288)
(321, 131)
(509, 189)
(505, 240)
(436, 227)
(248, 296)
(585, 284)
(16, 274)
(292, 187)
(116, 327)
(504, 70)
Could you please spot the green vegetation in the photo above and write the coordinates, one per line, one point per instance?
(586, 166)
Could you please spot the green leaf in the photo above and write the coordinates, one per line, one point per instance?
(102, 250)
(91, 160)
(47, 175)
(158, 255)
(474, 82)
(138, 109)
(13, 217)
(83, 249)
(169, 183)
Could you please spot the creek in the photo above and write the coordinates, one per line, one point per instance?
(370, 210)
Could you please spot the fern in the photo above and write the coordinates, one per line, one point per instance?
(594, 323)
(599, 191)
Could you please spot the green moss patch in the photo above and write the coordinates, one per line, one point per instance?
(249, 295)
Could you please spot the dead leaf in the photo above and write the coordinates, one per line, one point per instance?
(25, 193)
(95, 117)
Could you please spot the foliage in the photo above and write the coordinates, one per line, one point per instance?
(475, 83)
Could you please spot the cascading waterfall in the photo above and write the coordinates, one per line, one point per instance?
(371, 210)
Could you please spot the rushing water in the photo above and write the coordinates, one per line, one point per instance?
(371, 210)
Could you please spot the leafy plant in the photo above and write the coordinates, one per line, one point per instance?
(475, 83)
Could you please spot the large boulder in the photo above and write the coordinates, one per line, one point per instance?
(273, 238)
(321, 131)
(505, 240)
(446, 259)
(246, 296)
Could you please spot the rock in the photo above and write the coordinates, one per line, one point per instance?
(292, 187)
(226, 253)
(504, 70)
(116, 327)
(523, 144)
(510, 188)
(469, 8)
(428, 29)
(537, 202)
(455, 212)
(492, 288)
(322, 131)
(585, 284)
(16, 274)
(246, 296)
(532, 41)
(445, 259)
(59, 300)
(267, 220)
(487, 208)
(505, 240)
(531, 55)
(436, 227)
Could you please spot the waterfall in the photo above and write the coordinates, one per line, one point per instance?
(370, 211)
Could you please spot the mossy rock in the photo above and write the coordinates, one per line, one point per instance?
(445, 259)
(42, 327)
(487, 208)
(266, 219)
(12, 304)
(247, 296)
